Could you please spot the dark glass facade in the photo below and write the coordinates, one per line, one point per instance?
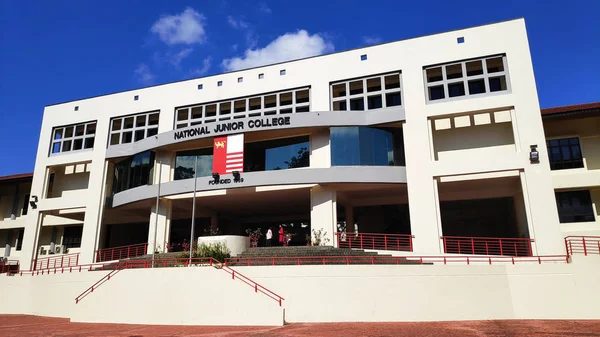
(184, 163)
(277, 154)
(133, 172)
(358, 146)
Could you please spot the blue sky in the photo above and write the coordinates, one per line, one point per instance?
(56, 51)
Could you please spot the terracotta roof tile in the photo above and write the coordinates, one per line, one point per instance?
(17, 176)
(570, 108)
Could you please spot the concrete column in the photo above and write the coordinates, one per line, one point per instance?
(349, 218)
(163, 228)
(320, 149)
(323, 213)
(96, 195)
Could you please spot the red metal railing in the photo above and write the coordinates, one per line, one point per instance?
(378, 241)
(9, 267)
(585, 245)
(122, 252)
(163, 263)
(58, 261)
(487, 246)
(390, 260)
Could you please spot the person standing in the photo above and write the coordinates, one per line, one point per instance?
(281, 235)
(269, 237)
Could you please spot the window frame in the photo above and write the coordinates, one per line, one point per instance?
(365, 94)
(73, 138)
(247, 112)
(133, 130)
(583, 163)
(465, 79)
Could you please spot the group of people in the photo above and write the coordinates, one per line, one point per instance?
(282, 240)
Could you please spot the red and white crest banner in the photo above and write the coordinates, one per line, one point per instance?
(228, 154)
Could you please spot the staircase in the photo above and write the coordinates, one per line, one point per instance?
(301, 255)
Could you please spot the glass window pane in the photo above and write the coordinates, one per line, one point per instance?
(436, 92)
(393, 99)
(79, 130)
(58, 133)
(356, 87)
(357, 104)
(453, 71)
(302, 96)
(126, 137)
(128, 123)
(285, 111)
(255, 103)
(456, 89)
(434, 74)
(89, 143)
(270, 101)
(494, 65)
(114, 138)
(474, 68)
(374, 102)
(153, 119)
(67, 145)
(211, 110)
(140, 121)
(56, 148)
(152, 132)
(497, 83)
(374, 84)
(182, 114)
(287, 157)
(69, 131)
(339, 106)
(339, 90)
(392, 81)
(239, 106)
(224, 108)
(285, 98)
(90, 129)
(116, 124)
(77, 144)
(181, 126)
(476, 87)
(139, 134)
(303, 109)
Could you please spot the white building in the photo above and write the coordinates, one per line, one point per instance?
(431, 141)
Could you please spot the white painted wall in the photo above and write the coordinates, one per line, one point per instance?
(235, 243)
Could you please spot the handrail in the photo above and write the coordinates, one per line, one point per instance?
(375, 241)
(170, 262)
(121, 252)
(487, 245)
(397, 260)
(10, 267)
(583, 244)
(66, 260)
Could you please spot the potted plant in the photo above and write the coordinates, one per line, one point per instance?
(319, 237)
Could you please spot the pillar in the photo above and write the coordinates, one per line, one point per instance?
(349, 218)
(323, 214)
(161, 224)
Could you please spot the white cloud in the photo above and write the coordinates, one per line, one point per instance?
(237, 24)
(289, 46)
(184, 28)
(371, 39)
(177, 58)
(206, 63)
(144, 75)
(264, 8)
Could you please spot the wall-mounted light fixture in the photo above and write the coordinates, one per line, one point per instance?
(236, 176)
(216, 177)
(33, 203)
(534, 155)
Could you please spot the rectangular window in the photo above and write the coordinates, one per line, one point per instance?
(72, 236)
(369, 93)
(284, 102)
(25, 205)
(467, 78)
(564, 153)
(73, 137)
(574, 206)
(20, 237)
(137, 127)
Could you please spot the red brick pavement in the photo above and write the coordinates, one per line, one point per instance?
(22, 325)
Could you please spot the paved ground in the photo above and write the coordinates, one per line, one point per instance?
(21, 325)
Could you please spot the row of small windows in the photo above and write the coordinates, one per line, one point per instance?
(286, 102)
(128, 129)
(367, 93)
(474, 77)
(73, 137)
(261, 76)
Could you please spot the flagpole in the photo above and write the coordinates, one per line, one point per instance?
(193, 211)
(156, 217)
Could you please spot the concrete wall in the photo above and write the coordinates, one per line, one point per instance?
(185, 296)
(235, 243)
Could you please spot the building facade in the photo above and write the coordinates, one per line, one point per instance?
(436, 141)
